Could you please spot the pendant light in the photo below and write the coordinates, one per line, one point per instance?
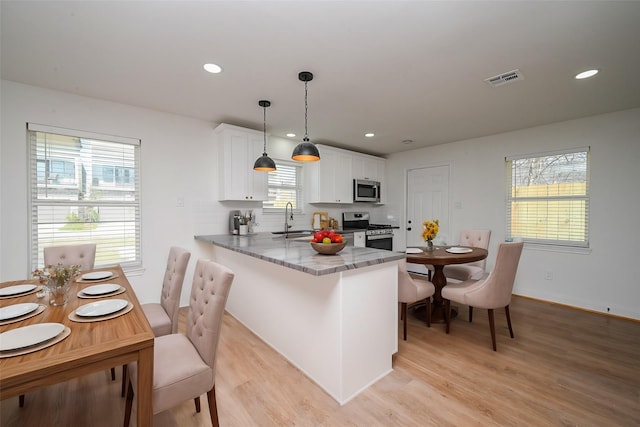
(306, 151)
(264, 162)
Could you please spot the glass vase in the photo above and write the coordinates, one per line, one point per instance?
(58, 293)
(429, 247)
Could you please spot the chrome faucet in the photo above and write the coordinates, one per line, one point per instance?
(287, 218)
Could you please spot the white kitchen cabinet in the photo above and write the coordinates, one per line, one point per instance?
(367, 167)
(238, 150)
(330, 180)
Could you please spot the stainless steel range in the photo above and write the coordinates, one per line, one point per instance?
(379, 236)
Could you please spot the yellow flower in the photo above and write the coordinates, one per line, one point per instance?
(430, 229)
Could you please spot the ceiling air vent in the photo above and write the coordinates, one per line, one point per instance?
(504, 78)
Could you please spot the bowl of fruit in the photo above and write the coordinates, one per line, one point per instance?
(328, 242)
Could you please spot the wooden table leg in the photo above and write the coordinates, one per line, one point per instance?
(437, 308)
(145, 387)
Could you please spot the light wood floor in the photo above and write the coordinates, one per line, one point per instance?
(565, 367)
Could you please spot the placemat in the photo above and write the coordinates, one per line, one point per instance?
(75, 318)
(37, 311)
(85, 296)
(37, 289)
(20, 351)
(106, 279)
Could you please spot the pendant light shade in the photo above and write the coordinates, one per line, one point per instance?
(306, 151)
(264, 162)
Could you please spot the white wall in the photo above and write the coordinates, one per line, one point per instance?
(177, 154)
(604, 277)
(179, 159)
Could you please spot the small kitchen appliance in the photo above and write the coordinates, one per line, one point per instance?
(366, 191)
(235, 221)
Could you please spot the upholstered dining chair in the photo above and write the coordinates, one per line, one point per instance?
(84, 255)
(163, 316)
(471, 270)
(412, 290)
(490, 293)
(184, 365)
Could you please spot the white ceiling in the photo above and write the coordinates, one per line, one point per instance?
(404, 70)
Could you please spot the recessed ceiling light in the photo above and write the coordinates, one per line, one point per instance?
(586, 74)
(291, 135)
(370, 135)
(407, 141)
(213, 68)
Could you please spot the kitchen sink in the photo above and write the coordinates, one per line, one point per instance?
(295, 234)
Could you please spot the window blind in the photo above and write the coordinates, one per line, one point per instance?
(84, 187)
(284, 186)
(548, 198)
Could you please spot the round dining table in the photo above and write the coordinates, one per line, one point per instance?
(438, 258)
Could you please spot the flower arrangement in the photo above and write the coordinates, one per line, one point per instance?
(58, 275)
(430, 229)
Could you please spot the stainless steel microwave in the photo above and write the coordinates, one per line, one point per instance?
(366, 191)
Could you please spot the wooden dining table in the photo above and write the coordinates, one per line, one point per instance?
(439, 258)
(90, 347)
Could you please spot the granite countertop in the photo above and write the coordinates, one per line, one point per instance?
(299, 255)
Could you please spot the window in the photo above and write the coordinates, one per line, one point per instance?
(284, 186)
(548, 198)
(84, 188)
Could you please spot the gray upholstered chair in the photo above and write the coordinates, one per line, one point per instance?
(163, 316)
(184, 365)
(494, 291)
(471, 270)
(411, 290)
(83, 255)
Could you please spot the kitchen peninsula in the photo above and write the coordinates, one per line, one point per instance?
(333, 316)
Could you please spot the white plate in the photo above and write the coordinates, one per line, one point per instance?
(16, 290)
(456, 250)
(97, 275)
(17, 310)
(29, 335)
(414, 250)
(101, 308)
(101, 289)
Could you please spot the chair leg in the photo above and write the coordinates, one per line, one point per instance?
(403, 310)
(125, 379)
(113, 374)
(213, 408)
(506, 310)
(21, 401)
(470, 314)
(428, 312)
(447, 314)
(128, 405)
(196, 400)
(493, 329)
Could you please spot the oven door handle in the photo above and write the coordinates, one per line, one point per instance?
(380, 236)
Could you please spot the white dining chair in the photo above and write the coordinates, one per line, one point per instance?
(489, 293)
(411, 290)
(163, 315)
(184, 365)
(471, 270)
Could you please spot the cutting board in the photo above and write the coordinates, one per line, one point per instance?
(320, 220)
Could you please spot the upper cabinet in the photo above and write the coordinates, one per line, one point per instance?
(329, 180)
(367, 167)
(239, 149)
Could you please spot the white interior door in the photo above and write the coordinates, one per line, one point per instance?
(427, 198)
